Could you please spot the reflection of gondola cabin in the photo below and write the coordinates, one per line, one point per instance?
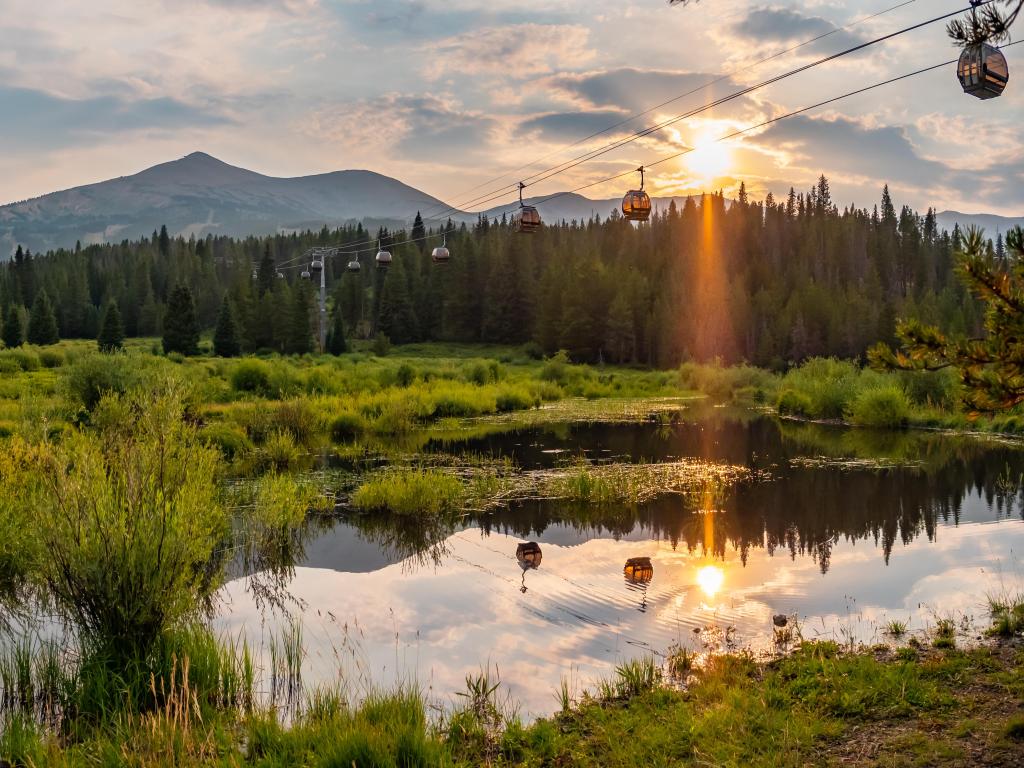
(983, 71)
(636, 205)
(639, 570)
(529, 555)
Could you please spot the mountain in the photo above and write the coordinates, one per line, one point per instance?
(989, 222)
(200, 194)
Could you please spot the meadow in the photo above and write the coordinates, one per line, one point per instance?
(130, 483)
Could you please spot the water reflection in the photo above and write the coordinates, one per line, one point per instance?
(928, 526)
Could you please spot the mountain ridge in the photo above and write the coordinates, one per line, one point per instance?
(199, 194)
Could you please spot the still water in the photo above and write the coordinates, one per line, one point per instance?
(850, 529)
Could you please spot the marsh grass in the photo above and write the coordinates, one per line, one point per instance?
(896, 628)
(1007, 615)
(427, 492)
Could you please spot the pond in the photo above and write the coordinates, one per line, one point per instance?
(842, 530)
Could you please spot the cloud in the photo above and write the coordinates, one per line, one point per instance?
(36, 119)
(515, 51)
(885, 154)
(423, 128)
(570, 126)
(780, 25)
(637, 90)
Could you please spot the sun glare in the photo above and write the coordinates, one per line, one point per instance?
(709, 160)
(710, 579)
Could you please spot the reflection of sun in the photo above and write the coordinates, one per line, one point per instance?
(710, 579)
(709, 160)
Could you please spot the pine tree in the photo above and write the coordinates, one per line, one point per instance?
(397, 318)
(42, 323)
(12, 332)
(111, 337)
(181, 329)
(226, 339)
(299, 337)
(266, 275)
(336, 343)
(164, 242)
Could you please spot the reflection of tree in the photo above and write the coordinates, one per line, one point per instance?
(416, 541)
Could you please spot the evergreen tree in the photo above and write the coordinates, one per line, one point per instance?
(419, 232)
(111, 337)
(397, 319)
(336, 343)
(42, 323)
(266, 275)
(12, 332)
(181, 329)
(299, 337)
(164, 242)
(226, 339)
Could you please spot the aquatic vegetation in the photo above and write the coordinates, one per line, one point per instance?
(410, 492)
(1007, 614)
(896, 628)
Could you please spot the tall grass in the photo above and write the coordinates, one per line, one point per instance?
(410, 492)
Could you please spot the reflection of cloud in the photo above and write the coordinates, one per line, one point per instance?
(511, 51)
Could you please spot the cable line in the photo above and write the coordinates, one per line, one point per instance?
(699, 88)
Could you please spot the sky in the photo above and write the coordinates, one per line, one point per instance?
(446, 96)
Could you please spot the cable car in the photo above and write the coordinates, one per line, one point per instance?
(526, 220)
(317, 265)
(354, 265)
(441, 255)
(638, 570)
(384, 258)
(280, 275)
(255, 274)
(983, 71)
(305, 274)
(636, 205)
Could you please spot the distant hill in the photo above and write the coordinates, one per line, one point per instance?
(991, 223)
(199, 194)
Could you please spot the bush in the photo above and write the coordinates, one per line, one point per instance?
(347, 425)
(886, 406)
(93, 376)
(25, 359)
(515, 399)
(792, 403)
(51, 358)
(405, 375)
(231, 441)
(381, 345)
(251, 376)
(280, 450)
(297, 418)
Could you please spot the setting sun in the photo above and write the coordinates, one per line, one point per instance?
(709, 160)
(710, 579)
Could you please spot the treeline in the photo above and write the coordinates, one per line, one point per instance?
(769, 282)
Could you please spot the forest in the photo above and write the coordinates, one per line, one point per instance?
(770, 282)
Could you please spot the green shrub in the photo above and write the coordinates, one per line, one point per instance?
(91, 377)
(511, 398)
(886, 407)
(231, 441)
(251, 376)
(279, 450)
(792, 403)
(556, 368)
(405, 375)
(381, 345)
(51, 358)
(299, 419)
(25, 359)
(410, 492)
(346, 426)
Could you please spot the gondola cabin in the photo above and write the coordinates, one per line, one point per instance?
(529, 555)
(526, 220)
(383, 259)
(440, 255)
(636, 205)
(639, 570)
(305, 274)
(317, 265)
(354, 265)
(983, 71)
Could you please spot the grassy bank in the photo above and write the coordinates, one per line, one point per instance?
(910, 706)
